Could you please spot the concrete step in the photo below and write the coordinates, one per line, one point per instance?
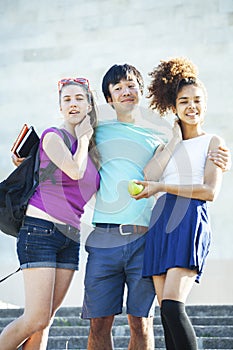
(213, 325)
(60, 342)
(64, 342)
(79, 328)
(76, 321)
(201, 331)
(192, 310)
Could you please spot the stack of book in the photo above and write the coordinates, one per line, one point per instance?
(24, 142)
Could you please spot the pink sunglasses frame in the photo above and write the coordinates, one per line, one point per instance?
(66, 81)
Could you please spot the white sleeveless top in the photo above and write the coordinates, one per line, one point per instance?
(187, 164)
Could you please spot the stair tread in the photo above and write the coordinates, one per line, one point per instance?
(213, 325)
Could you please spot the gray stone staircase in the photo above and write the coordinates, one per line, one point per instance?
(213, 325)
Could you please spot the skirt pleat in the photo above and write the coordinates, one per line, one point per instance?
(179, 236)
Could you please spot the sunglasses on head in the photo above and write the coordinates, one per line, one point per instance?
(66, 81)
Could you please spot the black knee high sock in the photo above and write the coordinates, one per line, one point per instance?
(180, 327)
(167, 334)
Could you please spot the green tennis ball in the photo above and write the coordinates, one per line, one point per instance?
(134, 188)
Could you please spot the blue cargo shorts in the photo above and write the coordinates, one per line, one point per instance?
(110, 269)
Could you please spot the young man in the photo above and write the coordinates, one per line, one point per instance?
(116, 246)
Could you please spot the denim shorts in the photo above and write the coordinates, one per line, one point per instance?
(109, 270)
(41, 244)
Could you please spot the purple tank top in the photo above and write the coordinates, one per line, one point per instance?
(66, 199)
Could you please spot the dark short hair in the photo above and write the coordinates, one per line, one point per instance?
(118, 72)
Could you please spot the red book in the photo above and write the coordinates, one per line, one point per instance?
(21, 135)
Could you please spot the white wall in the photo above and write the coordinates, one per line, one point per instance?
(44, 41)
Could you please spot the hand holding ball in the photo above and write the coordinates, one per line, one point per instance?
(134, 188)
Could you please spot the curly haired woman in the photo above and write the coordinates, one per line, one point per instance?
(184, 178)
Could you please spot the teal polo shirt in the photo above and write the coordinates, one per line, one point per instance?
(125, 149)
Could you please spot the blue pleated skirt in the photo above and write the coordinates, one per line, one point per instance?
(179, 236)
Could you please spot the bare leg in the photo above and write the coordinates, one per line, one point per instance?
(173, 291)
(33, 326)
(100, 337)
(39, 340)
(159, 282)
(178, 284)
(141, 333)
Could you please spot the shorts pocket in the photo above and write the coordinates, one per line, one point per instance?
(32, 230)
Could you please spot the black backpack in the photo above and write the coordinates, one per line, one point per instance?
(17, 189)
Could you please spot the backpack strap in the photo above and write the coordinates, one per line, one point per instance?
(12, 273)
(48, 172)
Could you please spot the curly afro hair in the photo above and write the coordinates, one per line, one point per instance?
(166, 78)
